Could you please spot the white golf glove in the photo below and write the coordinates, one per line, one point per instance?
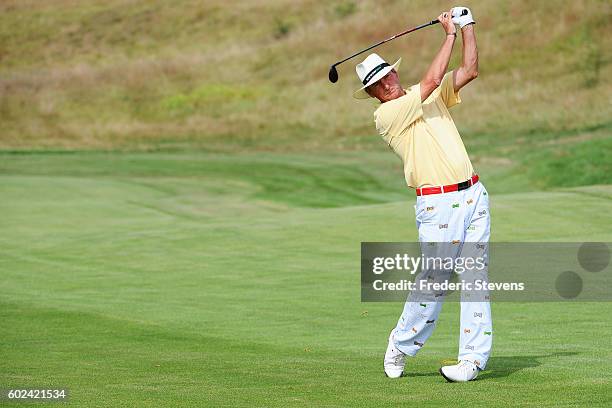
(460, 19)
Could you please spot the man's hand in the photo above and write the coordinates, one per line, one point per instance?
(462, 18)
(446, 21)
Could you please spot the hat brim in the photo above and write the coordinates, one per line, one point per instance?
(362, 94)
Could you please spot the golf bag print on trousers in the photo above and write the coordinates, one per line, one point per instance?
(461, 219)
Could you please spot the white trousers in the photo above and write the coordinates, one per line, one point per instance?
(462, 219)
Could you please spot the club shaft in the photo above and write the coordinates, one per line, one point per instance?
(388, 39)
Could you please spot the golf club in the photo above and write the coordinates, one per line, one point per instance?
(333, 73)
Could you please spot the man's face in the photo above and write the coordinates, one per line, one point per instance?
(387, 88)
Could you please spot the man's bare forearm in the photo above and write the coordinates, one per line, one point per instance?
(437, 69)
(469, 64)
(470, 50)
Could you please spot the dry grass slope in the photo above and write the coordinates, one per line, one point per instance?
(252, 74)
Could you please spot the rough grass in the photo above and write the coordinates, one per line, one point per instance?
(150, 74)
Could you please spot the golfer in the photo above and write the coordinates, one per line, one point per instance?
(452, 204)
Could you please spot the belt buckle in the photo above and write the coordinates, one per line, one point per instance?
(464, 185)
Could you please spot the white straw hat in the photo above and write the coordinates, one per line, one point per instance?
(372, 69)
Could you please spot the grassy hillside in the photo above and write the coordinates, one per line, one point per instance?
(251, 75)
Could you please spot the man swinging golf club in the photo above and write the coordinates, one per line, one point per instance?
(452, 205)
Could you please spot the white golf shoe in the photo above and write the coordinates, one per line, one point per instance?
(462, 372)
(395, 360)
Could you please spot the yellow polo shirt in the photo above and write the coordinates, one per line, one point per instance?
(424, 136)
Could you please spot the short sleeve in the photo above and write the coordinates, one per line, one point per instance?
(395, 116)
(447, 91)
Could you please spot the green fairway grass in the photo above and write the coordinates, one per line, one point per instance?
(193, 279)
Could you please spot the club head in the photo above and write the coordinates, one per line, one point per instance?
(333, 74)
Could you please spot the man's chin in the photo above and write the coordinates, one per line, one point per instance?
(393, 96)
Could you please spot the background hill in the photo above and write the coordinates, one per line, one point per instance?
(251, 76)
